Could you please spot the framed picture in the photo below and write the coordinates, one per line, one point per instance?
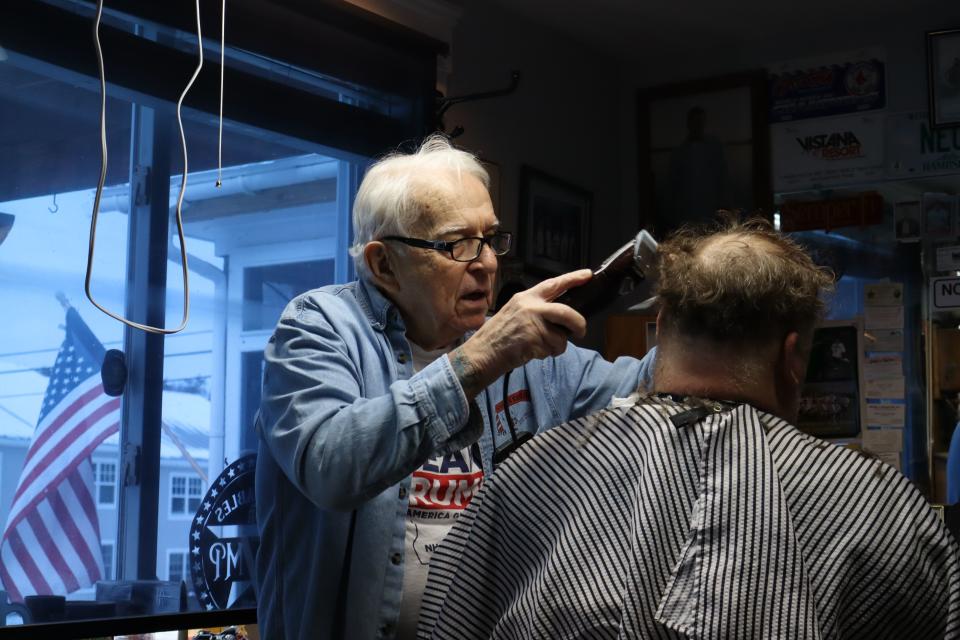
(943, 77)
(703, 146)
(554, 223)
(832, 403)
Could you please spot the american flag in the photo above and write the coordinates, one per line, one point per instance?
(51, 543)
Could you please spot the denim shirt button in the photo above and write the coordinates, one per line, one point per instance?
(396, 558)
(402, 358)
(403, 492)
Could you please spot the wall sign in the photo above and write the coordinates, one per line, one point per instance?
(914, 149)
(863, 209)
(828, 86)
(224, 541)
(945, 293)
(827, 152)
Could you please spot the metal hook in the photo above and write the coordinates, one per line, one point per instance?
(55, 206)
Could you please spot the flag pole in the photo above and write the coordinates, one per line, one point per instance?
(64, 302)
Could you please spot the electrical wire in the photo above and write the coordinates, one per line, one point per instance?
(103, 177)
(223, 46)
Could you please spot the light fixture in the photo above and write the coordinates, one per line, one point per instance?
(6, 223)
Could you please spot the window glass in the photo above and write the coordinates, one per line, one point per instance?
(107, 550)
(275, 228)
(106, 479)
(55, 507)
(277, 225)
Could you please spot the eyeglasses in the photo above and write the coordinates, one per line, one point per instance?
(464, 249)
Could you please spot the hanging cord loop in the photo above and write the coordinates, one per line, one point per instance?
(103, 177)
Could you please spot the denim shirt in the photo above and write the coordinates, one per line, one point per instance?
(344, 422)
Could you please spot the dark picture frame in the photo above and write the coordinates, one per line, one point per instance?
(832, 401)
(703, 146)
(554, 223)
(943, 77)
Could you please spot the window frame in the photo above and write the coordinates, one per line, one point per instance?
(184, 564)
(147, 73)
(113, 558)
(97, 483)
(186, 477)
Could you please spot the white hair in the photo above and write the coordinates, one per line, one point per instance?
(388, 200)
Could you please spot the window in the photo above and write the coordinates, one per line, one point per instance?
(185, 494)
(277, 225)
(107, 551)
(105, 474)
(177, 568)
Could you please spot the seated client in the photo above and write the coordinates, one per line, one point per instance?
(695, 509)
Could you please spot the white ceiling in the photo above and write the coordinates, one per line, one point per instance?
(638, 29)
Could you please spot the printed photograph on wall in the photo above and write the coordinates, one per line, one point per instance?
(943, 74)
(830, 403)
(939, 212)
(554, 223)
(703, 146)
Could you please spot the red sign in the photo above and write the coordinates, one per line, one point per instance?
(860, 210)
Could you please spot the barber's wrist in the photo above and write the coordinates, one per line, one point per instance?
(470, 369)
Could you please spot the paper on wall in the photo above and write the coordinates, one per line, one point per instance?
(892, 458)
(948, 258)
(883, 317)
(886, 414)
(883, 340)
(883, 293)
(885, 388)
(887, 365)
(883, 440)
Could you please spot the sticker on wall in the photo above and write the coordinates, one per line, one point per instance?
(827, 86)
(826, 152)
(224, 541)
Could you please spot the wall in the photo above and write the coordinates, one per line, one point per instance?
(903, 42)
(563, 119)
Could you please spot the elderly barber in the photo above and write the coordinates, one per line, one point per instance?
(383, 400)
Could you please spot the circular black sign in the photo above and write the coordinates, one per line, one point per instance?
(223, 539)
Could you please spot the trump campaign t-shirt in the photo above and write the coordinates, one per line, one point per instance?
(439, 492)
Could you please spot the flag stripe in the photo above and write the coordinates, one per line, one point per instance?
(81, 408)
(75, 435)
(39, 528)
(24, 557)
(45, 432)
(18, 513)
(92, 536)
(80, 541)
(68, 547)
(51, 542)
(8, 568)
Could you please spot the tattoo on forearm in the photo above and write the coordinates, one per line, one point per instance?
(466, 372)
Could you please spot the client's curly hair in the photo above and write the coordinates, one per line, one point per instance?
(739, 282)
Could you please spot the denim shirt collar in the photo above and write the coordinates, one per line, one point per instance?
(380, 310)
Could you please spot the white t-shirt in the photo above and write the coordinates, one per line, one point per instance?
(439, 492)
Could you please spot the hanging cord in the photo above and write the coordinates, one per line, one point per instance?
(223, 47)
(103, 177)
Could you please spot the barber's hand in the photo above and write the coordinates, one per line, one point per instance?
(530, 326)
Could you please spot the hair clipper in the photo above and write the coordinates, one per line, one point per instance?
(623, 272)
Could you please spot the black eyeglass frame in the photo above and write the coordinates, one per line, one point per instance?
(448, 246)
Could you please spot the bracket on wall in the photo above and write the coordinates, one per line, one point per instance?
(444, 103)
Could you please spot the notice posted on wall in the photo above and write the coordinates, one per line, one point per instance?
(885, 414)
(885, 388)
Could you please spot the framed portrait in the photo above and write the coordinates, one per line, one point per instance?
(554, 223)
(832, 403)
(703, 146)
(943, 77)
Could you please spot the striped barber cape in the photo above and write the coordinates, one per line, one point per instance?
(732, 525)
